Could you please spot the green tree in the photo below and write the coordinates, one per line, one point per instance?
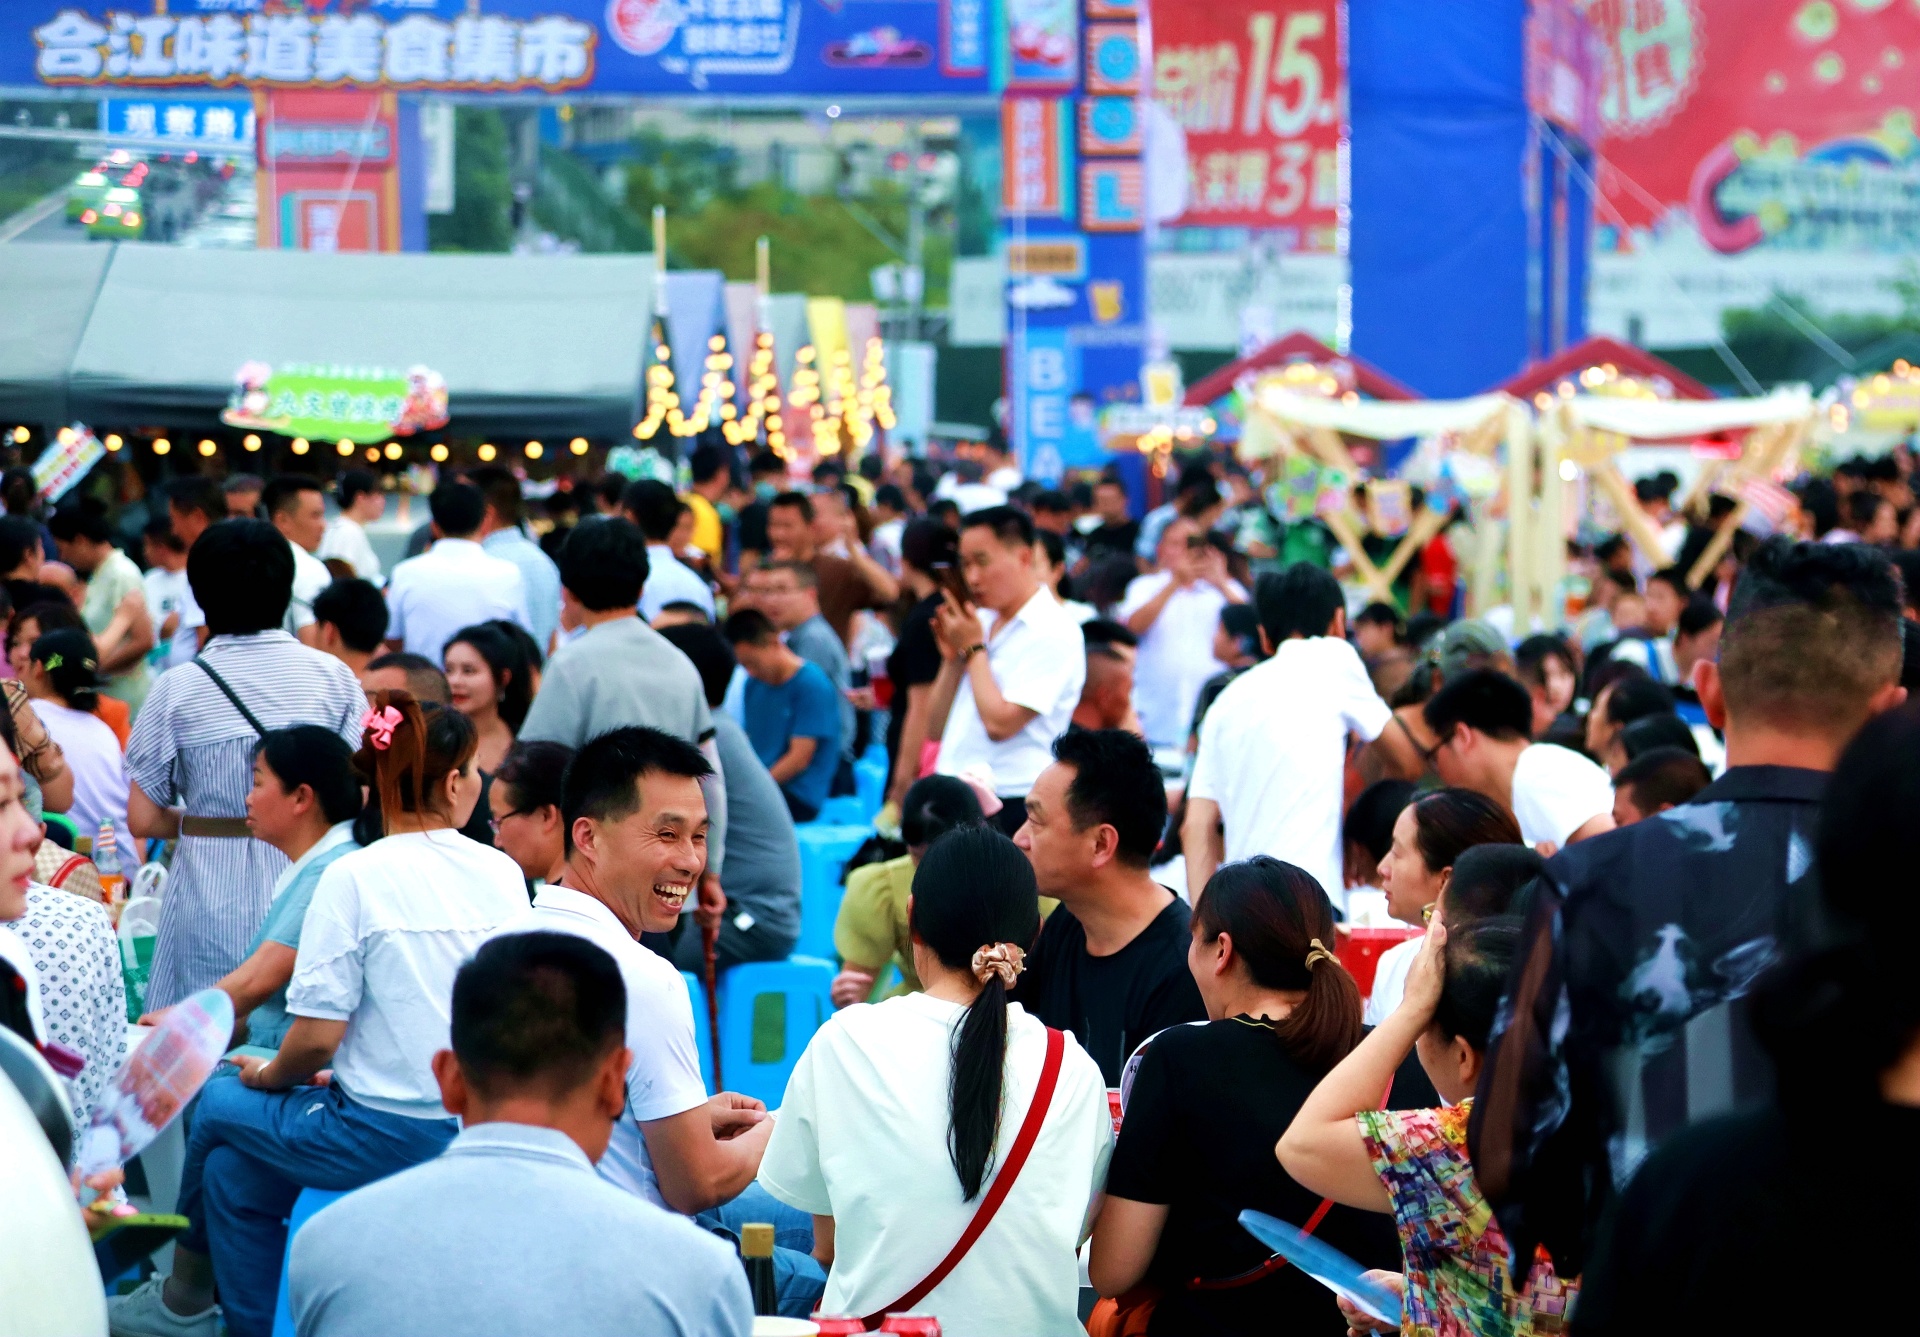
(482, 217)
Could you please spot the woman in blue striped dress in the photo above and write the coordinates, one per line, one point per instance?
(191, 754)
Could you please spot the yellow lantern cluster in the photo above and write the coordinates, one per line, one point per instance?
(714, 402)
(763, 402)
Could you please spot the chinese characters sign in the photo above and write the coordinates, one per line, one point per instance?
(842, 47)
(205, 123)
(332, 403)
(1260, 89)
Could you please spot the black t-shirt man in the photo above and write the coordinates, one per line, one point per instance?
(1112, 1003)
(1113, 540)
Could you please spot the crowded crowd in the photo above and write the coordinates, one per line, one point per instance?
(451, 830)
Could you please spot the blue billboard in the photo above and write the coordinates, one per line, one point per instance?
(839, 48)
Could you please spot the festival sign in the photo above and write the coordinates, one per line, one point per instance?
(332, 403)
(605, 46)
(1752, 147)
(1259, 86)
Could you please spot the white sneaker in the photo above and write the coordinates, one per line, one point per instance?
(142, 1313)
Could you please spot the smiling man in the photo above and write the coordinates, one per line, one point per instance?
(636, 846)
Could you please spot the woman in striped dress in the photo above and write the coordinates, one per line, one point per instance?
(191, 754)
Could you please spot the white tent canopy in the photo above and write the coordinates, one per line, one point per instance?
(1380, 420)
(1665, 419)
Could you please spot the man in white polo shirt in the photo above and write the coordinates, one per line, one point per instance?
(1273, 747)
(1013, 663)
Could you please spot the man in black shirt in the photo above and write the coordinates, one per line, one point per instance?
(1111, 962)
(1626, 1017)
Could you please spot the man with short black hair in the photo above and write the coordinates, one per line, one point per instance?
(350, 621)
(1268, 772)
(766, 475)
(789, 594)
(115, 600)
(847, 584)
(361, 503)
(710, 477)
(503, 534)
(455, 583)
(1484, 721)
(1696, 637)
(1655, 781)
(1014, 663)
(537, 1075)
(297, 507)
(241, 496)
(1111, 961)
(791, 713)
(652, 506)
(399, 671)
(1106, 698)
(193, 503)
(1626, 1017)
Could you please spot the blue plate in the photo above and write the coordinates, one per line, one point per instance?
(1325, 1264)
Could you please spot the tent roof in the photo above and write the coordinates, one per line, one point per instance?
(1296, 347)
(529, 345)
(50, 292)
(1593, 352)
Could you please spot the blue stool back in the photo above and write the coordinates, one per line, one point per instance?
(702, 1034)
(870, 784)
(768, 1012)
(841, 810)
(310, 1201)
(824, 851)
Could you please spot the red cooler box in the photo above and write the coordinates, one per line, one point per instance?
(1359, 951)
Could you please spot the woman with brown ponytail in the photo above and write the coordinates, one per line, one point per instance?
(948, 1144)
(1203, 1111)
(350, 1097)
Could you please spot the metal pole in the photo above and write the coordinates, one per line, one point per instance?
(915, 293)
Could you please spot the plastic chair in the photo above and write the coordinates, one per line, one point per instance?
(841, 810)
(768, 1012)
(824, 851)
(870, 783)
(310, 1201)
(702, 1034)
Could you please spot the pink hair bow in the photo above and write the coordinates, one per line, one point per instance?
(379, 725)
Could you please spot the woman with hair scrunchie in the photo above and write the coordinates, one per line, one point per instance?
(901, 1117)
(369, 1000)
(1203, 1111)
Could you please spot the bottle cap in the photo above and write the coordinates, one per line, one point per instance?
(756, 1240)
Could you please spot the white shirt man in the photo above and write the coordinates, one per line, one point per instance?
(670, 580)
(1556, 791)
(1039, 661)
(454, 584)
(1273, 752)
(346, 541)
(1174, 612)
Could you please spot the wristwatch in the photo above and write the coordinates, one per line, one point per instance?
(971, 651)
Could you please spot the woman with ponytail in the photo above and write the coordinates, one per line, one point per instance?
(370, 1000)
(909, 1122)
(1204, 1109)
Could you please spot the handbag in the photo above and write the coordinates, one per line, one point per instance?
(996, 1194)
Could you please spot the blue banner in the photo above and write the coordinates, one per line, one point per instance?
(841, 48)
(225, 121)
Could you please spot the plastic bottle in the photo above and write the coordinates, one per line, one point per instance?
(756, 1252)
(106, 858)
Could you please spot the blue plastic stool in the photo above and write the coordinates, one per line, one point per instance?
(841, 810)
(768, 1012)
(310, 1201)
(702, 1035)
(870, 784)
(824, 851)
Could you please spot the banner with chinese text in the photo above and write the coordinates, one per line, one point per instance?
(1259, 87)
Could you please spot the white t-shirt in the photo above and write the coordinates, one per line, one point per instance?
(453, 585)
(1390, 980)
(1556, 791)
(1273, 753)
(1039, 661)
(167, 593)
(389, 927)
(1175, 657)
(862, 1137)
(346, 539)
(99, 773)
(665, 1077)
(310, 577)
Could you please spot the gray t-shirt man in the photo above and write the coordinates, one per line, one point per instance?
(814, 640)
(622, 673)
(761, 873)
(510, 1232)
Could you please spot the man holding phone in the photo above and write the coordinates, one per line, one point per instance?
(1013, 662)
(1174, 611)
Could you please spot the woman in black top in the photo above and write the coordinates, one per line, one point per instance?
(927, 550)
(1207, 1105)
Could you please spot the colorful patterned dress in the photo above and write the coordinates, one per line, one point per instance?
(1458, 1281)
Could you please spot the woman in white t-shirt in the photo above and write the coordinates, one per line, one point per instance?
(370, 1000)
(1429, 835)
(901, 1117)
(62, 676)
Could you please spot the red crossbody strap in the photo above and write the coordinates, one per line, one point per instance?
(997, 1192)
(1266, 1269)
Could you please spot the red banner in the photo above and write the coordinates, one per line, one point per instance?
(1260, 89)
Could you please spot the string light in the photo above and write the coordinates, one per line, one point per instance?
(373, 454)
(161, 445)
(438, 453)
(486, 452)
(394, 450)
(300, 445)
(535, 450)
(207, 447)
(250, 441)
(578, 445)
(113, 441)
(21, 436)
(345, 447)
